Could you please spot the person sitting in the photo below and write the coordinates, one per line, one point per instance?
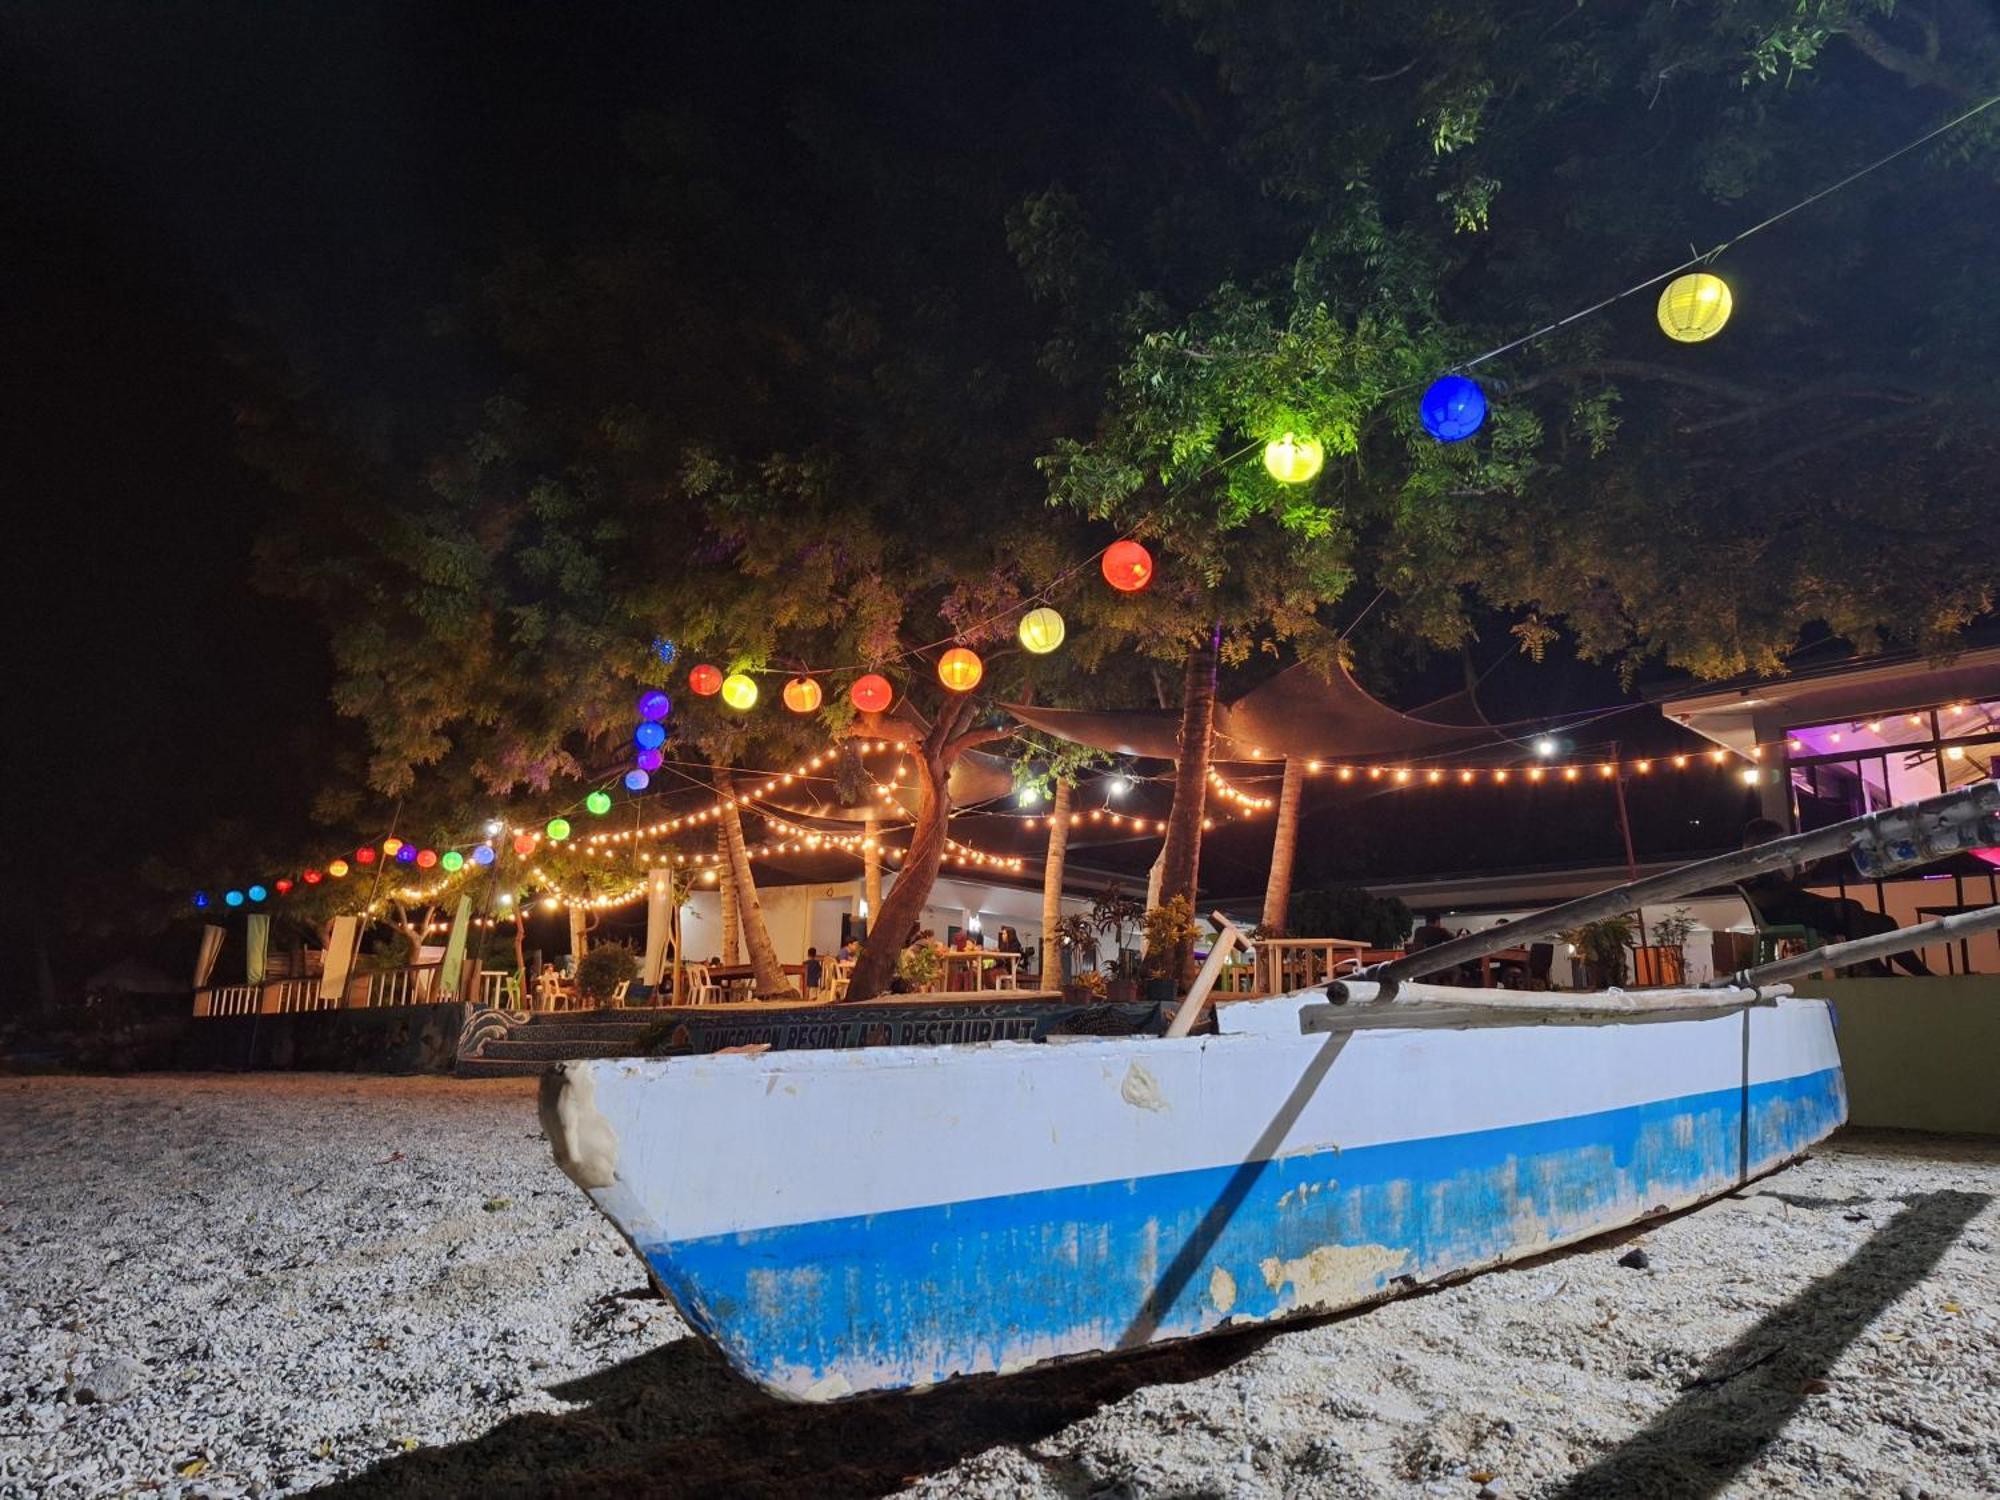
(1781, 899)
(548, 988)
(1429, 935)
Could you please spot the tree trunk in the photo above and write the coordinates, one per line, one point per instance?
(521, 952)
(1180, 860)
(1052, 884)
(871, 868)
(770, 980)
(725, 886)
(1284, 847)
(579, 930)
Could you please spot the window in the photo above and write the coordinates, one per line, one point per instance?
(1843, 770)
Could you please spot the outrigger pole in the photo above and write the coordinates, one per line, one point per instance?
(1862, 950)
(1884, 842)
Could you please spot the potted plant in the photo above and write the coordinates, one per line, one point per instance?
(918, 966)
(1601, 946)
(1170, 933)
(1114, 913)
(603, 969)
(1664, 960)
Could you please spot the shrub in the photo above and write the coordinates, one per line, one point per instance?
(1349, 912)
(603, 969)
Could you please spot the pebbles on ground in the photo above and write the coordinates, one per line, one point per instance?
(264, 1284)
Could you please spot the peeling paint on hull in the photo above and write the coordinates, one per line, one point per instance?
(909, 1215)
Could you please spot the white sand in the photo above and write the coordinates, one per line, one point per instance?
(304, 1305)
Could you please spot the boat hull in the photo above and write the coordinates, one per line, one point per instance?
(846, 1222)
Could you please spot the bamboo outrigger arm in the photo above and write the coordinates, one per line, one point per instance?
(1895, 839)
(1862, 950)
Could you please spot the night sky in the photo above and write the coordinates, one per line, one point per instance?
(190, 185)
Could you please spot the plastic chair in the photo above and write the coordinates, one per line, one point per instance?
(701, 989)
(1772, 936)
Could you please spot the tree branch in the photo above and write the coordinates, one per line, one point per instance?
(1638, 369)
(1837, 435)
(972, 739)
(1920, 72)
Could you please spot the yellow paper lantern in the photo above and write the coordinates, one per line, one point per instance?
(1293, 460)
(739, 691)
(1042, 630)
(960, 669)
(802, 695)
(1694, 307)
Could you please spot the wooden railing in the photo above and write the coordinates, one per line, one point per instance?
(231, 1000)
(410, 984)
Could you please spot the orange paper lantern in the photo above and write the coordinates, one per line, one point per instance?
(1128, 567)
(802, 695)
(706, 680)
(426, 858)
(871, 693)
(960, 669)
(524, 843)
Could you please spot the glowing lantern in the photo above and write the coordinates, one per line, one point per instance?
(655, 705)
(232, 898)
(558, 830)
(1128, 567)
(1452, 408)
(390, 847)
(665, 649)
(364, 856)
(706, 680)
(482, 854)
(802, 695)
(406, 854)
(871, 693)
(1042, 630)
(650, 736)
(337, 869)
(1293, 460)
(201, 900)
(599, 803)
(1694, 307)
(739, 691)
(637, 781)
(311, 877)
(524, 843)
(452, 861)
(282, 886)
(960, 669)
(649, 760)
(256, 893)
(426, 858)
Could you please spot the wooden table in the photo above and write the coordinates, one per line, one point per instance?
(1504, 956)
(1288, 964)
(979, 961)
(744, 976)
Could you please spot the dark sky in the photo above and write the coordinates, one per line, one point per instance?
(310, 181)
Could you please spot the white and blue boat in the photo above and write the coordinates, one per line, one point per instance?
(838, 1222)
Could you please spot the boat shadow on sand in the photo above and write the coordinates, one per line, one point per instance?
(677, 1421)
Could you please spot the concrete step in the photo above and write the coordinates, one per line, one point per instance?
(500, 1067)
(518, 1049)
(582, 1031)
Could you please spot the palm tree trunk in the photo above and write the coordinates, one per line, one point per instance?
(725, 886)
(1284, 846)
(875, 965)
(1180, 860)
(871, 867)
(769, 974)
(1052, 884)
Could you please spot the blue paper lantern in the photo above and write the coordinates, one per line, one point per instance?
(232, 898)
(637, 781)
(201, 900)
(655, 705)
(665, 649)
(650, 735)
(1453, 408)
(406, 854)
(482, 854)
(650, 760)
(256, 893)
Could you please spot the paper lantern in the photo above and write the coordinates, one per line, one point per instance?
(337, 869)
(201, 900)
(649, 760)
(426, 858)
(406, 854)
(1694, 307)
(1452, 408)
(1042, 630)
(482, 854)
(392, 847)
(232, 898)
(802, 695)
(364, 856)
(650, 736)
(452, 861)
(599, 803)
(960, 669)
(1128, 567)
(739, 691)
(871, 693)
(655, 705)
(558, 830)
(665, 649)
(311, 877)
(706, 680)
(524, 843)
(256, 893)
(1293, 460)
(282, 886)
(637, 781)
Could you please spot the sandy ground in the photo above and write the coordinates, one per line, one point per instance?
(283, 1282)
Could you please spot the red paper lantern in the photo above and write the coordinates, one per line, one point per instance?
(1128, 567)
(312, 877)
(802, 695)
(706, 680)
(427, 857)
(524, 843)
(871, 693)
(364, 856)
(960, 669)
(282, 885)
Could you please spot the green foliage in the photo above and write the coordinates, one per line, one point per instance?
(920, 966)
(1602, 946)
(603, 969)
(1170, 930)
(1349, 912)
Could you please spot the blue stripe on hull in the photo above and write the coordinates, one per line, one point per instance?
(917, 1295)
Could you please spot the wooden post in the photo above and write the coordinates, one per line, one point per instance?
(1052, 884)
(1227, 936)
(1284, 847)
